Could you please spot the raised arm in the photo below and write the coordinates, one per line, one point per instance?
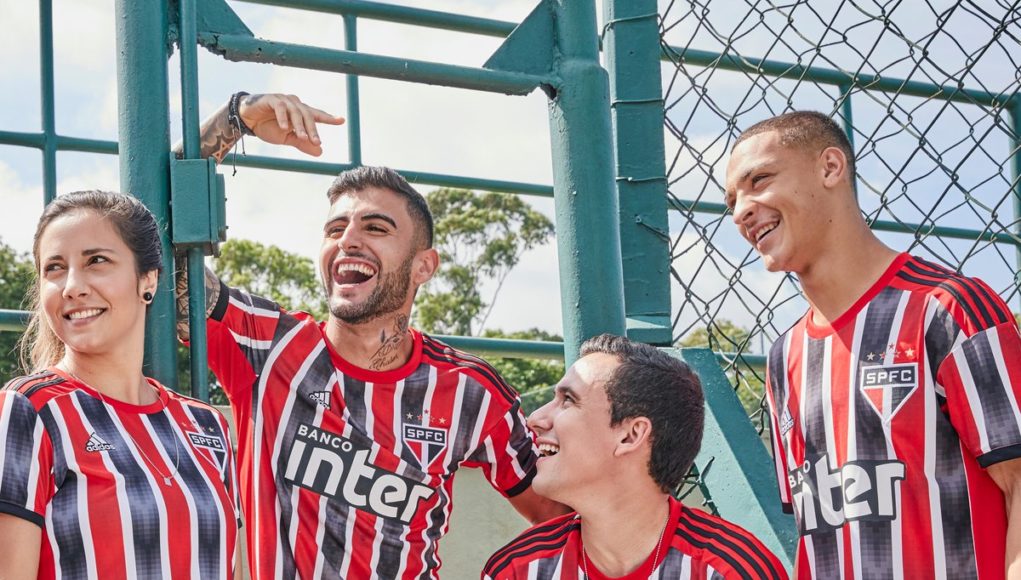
(273, 118)
(213, 286)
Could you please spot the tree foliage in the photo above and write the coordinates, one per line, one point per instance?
(533, 378)
(727, 337)
(268, 271)
(480, 237)
(16, 279)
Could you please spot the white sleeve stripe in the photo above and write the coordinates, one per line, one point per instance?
(1001, 368)
(254, 310)
(968, 383)
(251, 342)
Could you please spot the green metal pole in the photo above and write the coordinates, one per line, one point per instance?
(1015, 166)
(632, 50)
(354, 119)
(196, 259)
(588, 234)
(143, 112)
(48, 109)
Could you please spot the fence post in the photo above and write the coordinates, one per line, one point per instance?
(632, 49)
(588, 234)
(143, 114)
(1015, 173)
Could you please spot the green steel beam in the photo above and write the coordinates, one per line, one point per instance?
(354, 114)
(13, 320)
(143, 112)
(587, 215)
(49, 146)
(733, 462)
(399, 14)
(632, 48)
(1013, 239)
(246, 48)
(506, 347)
(61, 143)
(775, 68)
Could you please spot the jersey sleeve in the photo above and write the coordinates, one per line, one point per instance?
(778, 417)
(982, 379)
(239, 334)
(507, 453)
(26, 459)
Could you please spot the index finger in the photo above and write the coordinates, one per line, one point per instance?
(321, 116)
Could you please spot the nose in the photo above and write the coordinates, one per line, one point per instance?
(351, 238)
(541, 419)
(75, 284)
(744, 209)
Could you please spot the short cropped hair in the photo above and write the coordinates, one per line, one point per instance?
(650, 383)
(383, 177)
(809, 130)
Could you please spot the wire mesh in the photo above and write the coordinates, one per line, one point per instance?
(925, 91)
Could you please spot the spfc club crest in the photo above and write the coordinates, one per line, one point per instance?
(427, 443)
(887, 387)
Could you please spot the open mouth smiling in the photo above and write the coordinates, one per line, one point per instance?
(548, 449)
(351, 273)
(84, 314)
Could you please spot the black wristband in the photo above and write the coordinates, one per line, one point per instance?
(234, 114)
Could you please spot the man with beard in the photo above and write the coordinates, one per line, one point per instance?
(350, 431)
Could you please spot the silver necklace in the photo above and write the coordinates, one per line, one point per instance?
(167, 477)
(655, 555)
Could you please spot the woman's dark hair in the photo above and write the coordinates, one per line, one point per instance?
(39, 346)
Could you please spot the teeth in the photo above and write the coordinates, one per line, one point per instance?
(547, 449)
(85, 313)
(766, 230)
(360, 268)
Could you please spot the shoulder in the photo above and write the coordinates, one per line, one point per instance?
(970, 301)
(446, 357)
(39, 388)
(541, 541)
(726, 546)
(195, 406)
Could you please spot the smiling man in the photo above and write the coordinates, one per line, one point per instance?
(350, 431)
(895, 423)
(618, 437)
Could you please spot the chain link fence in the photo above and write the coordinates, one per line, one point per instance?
(925, 91)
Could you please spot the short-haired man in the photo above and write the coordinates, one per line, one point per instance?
(895, 417)
(618, 437)
(350, 431)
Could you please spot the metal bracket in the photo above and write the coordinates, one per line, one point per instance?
(212, 17)
(198, 207)
(529, 47)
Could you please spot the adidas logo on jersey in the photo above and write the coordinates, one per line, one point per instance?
(96, 443)
(321, 398)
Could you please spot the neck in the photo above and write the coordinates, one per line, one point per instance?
(838, 277)
(382, 344)
(117, 378)
(620, 534)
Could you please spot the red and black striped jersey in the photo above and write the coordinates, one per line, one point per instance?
(347, 472)
(696, 545)
(120, 490)
(884, 421)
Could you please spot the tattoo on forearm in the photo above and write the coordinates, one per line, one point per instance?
(389, 349)
(212, 286)
(216, 138)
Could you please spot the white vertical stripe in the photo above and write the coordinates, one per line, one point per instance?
(533, 569)
(829, 430)
(7, 402)
(852, 429)
(33, 469)
(929, 460)
(88, 541)
(973, 400)
(802, 404)
(323, 500)
(429, 392)
(292, 393)
(370, 426)
(398, 421)
(257, 441)
(685, 567)
(897, 524)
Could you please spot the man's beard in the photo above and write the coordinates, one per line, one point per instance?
(387, 297)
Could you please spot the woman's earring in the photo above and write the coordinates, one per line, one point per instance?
(147, 296)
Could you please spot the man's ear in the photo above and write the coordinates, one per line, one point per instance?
(635, 434)
(833, 166)
(426, 263)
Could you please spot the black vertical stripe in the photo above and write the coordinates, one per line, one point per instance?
(825, 544)
(412, 403)
(142, 501)
(334, 544)
(996, 409)
(469, 415)
(18, 443)
(67, 530)
(870, 438)
(954, 501)
(939, 337)
(207, 508)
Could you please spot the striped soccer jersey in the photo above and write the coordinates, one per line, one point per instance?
(120, 490)
(884, 422)
(347, 472)
(696, 546)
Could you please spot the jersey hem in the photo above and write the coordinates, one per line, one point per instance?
(522, 485)
(20, 512)
(221, 303)
(999, 455)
